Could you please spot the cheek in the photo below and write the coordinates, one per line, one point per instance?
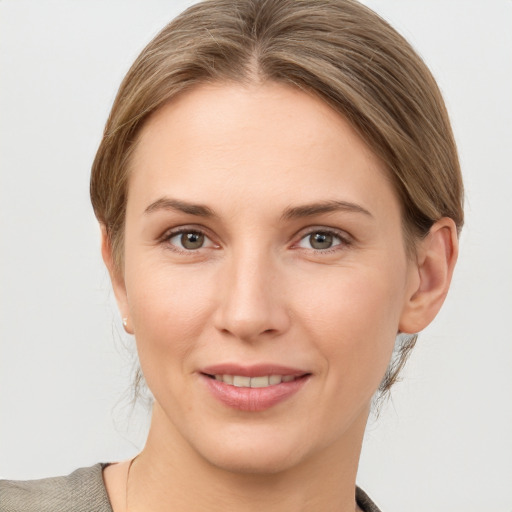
(354, 319)
(169, 309)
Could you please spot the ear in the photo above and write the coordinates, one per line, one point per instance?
(436, 257)
(116, 278)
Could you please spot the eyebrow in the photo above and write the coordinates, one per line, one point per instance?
(309, 210)
(165, 203)
(293, 212)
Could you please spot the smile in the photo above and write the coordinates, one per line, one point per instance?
(254, 388)
(242, 381)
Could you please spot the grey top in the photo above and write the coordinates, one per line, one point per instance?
(81, 491)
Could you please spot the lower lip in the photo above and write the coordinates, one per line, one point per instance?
(253, 399)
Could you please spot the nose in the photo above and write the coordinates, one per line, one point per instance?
(252, 299)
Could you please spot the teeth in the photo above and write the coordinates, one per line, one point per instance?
(259, 382)
(274, 379)
(241, 381)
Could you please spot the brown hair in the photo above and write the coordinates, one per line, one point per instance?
(338, 50)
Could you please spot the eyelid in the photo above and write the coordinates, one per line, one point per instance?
(178, 230)
(343, 236)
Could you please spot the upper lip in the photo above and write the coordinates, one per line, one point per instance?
(254, 370)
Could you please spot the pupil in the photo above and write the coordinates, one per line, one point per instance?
(321, 240)
(192, 240)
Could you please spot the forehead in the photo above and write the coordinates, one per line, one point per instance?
(267, 142)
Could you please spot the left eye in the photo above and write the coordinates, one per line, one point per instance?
(320, 240)
(190, 240)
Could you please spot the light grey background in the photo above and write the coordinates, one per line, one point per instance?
(443, 443)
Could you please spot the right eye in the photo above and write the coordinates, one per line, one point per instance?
(189, 240)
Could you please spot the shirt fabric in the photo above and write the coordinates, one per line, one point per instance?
(81, 491)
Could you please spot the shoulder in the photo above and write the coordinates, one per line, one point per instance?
(81, 491)
(364, 502)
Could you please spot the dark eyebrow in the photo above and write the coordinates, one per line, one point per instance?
(309, 210)
(166, 203)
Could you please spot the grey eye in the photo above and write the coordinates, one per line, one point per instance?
(192, 240)
(321, 240)
(189, 240)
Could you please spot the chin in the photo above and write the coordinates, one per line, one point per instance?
(261, 462)
(257, 450)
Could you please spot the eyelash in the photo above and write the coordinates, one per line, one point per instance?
(168, 235)
(344, 240)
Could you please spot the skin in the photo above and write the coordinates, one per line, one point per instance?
(257, 291)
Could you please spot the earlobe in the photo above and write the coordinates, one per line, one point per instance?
(436, 258)
(116, 278)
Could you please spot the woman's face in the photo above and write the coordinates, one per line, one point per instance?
(265, 275)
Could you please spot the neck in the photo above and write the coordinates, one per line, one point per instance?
(170, 475)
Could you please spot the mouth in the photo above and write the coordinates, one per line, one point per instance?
(253, 388)
(262, 381)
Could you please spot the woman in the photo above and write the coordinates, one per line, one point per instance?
(279, 197)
